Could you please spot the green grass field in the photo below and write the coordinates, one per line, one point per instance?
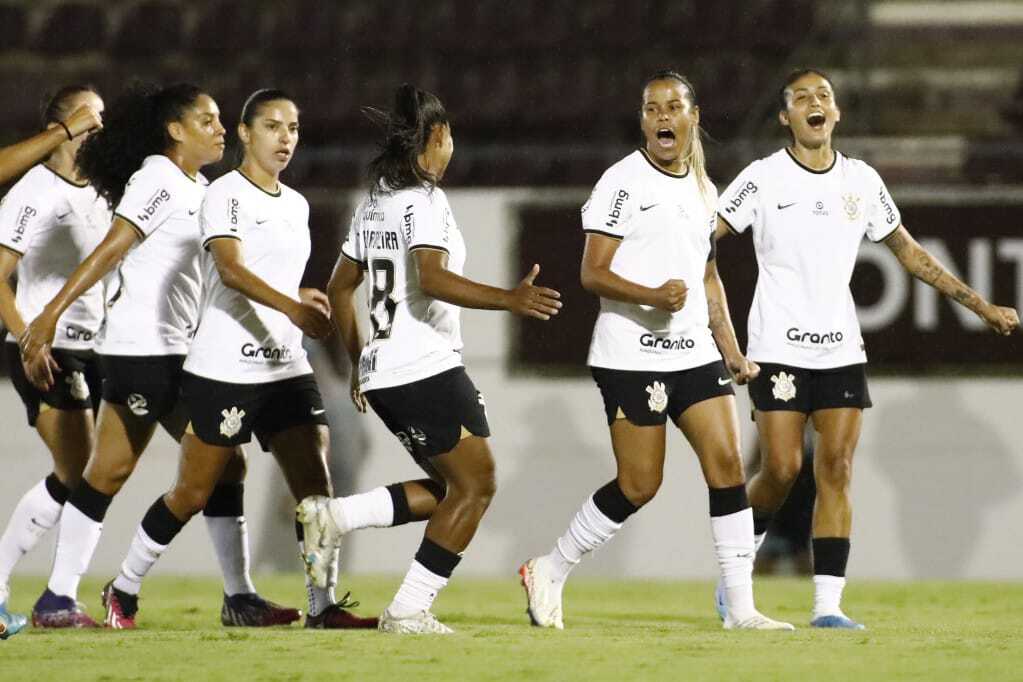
(615, 631)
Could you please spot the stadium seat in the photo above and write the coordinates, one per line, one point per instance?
(73, 29)
(150, 29)
(227, 27)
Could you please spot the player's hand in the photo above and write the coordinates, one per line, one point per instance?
(743, 369)
(41, 369)
(533, 301)
(317, 298)
(35, 343)
(670, 296)
(358, 399)
(308, 317)
(83, 119)
(1002, 319)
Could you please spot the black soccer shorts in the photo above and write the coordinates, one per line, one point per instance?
(77, 386)
(148, 385)
(649, 398)
(784, 387)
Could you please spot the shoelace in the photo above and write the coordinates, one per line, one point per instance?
(346, 603)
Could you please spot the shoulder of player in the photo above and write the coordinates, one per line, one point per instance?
(858, 168)
(37, 184)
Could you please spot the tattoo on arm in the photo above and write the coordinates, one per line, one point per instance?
(926, 267)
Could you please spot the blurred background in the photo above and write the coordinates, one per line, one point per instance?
(544, 96)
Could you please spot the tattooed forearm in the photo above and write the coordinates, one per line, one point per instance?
(927, 268)
(717, 315)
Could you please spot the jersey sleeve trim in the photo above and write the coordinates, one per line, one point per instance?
(142, 235)
(729, 225)
(890, 233)
(12, 250)
(604, 234)
(360, 263)
(431, 247)
(206, 242)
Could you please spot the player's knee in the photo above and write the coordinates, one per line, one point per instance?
(189, 500)
(782, 470)
(640, 488)
(834, 472)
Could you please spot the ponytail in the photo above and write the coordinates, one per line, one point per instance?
(406, 129)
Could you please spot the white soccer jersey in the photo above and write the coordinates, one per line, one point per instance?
(666, 229)
(238, 340)
(807, 228)
(53, 224)
(413, 336)
(153, 303)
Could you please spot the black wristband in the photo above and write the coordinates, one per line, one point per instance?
(66, 130)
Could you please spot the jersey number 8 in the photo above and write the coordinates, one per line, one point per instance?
(381, 305)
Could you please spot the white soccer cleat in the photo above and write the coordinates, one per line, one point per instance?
(757, 621)
(419, 623)
(321, 537)
(543, 595)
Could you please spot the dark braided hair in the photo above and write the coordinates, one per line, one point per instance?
(134, 127)
(406, 133)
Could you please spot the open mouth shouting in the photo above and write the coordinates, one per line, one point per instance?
(666, 138)
(816, 120)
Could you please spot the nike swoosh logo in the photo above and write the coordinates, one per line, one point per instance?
(723, 382)
(647, 208)
(784, 206)
(847, 394)
(316, 412)
(61, 217)
(260, 222)
(193, 212)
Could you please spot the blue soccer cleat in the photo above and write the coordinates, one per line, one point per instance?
(719, 602)
(837, 621)
(10, 623)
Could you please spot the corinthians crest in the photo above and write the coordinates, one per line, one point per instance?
(232, 423)
(851, 204)
(784, 386)
(658, 397)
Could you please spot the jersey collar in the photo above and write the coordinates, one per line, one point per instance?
(659, 169)
(272, 194)
(834, 160)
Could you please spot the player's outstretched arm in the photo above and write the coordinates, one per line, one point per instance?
(19, 157)
(526, 299)
(721, 327)
(344, 281)
(597, 278)
(310, 316)
(925, 267)
(9, 314)
(37, 338)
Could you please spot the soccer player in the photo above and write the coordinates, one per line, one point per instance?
(17, 158)
(657, 351)
(145, 162)
(809, 207)
(49, 222)
(404, 238)
(246, 371)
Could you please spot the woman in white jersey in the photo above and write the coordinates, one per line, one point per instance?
(246, 371)
(17, 158)
(50, 221)
(405, 240)
(809, 208)
(146, 163)
(657, 351)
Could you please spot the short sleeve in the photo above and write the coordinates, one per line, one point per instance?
(351, 248)
(22, 213)
(426, 221)
(883, 216)
(609, 209)
(221, 216)
(740, 204)
(148, 200)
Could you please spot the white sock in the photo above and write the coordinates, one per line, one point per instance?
(142, 555)
(320, 597)
(827, 595)
(417, 591)
(758, 541)
(76, 543)
(733, 545)
(374, 509)
(230, 538)
(35, 514)
(589, 529)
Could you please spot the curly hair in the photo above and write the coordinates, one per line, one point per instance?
(134, 127)
(406, 130)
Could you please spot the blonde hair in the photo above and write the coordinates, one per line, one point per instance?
(694, 158)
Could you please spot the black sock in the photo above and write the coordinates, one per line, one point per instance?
(436, 559)
(227, 499)
(90, 501)
(830, 556)
(761, 520)
(57, 490)
(613, 503)
(725, 501)
(299, 531)
(402, 513)
(160, 524)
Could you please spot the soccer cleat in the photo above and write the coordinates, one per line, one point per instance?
(321, 536)
(10, 623)
(543, 595)
(757, 621)
(252, 611)
(56, 611)
(337, 617)
(838, 621)
(719, 602)
(121, 608)
(419, 623)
